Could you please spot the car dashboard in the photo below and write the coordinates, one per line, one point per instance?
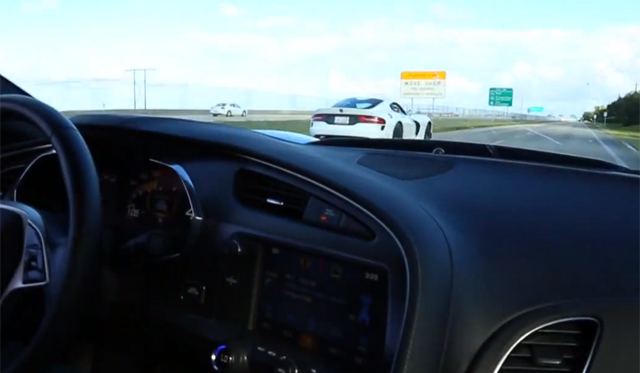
(247, 253)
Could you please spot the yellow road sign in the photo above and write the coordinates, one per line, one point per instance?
(423, 75)
(423, 84)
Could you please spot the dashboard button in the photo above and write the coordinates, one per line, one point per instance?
(34, 266)
(310, 370)
(33, 276)
(285, 365)
(193, 292)
(350, 225)
(321, 213)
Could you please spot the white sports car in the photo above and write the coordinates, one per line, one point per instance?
(370, 118)
(228, 110)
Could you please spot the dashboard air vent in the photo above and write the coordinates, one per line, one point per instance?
(564, 346)
(264, 192)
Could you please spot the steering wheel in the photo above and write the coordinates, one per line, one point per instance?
(39, 255)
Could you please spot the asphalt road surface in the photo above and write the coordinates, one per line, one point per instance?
(560, 137)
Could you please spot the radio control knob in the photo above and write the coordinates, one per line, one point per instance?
(285, 365)
(229, 359)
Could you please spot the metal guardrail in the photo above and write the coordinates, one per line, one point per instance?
(440, 111)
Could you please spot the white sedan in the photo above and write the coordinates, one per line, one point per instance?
(370, 118)
(228, 110)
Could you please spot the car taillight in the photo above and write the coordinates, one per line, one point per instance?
(370, 119)
(318, 118)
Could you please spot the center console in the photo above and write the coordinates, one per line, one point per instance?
(301, 311)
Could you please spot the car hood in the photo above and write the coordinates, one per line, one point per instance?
(289, 136)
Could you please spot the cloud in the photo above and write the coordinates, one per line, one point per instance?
(443, 12)
(276, 21)
(229, 10)
(40, 5)
(564, 70)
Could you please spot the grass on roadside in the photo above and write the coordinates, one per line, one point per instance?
(629, 134)
(302, 126)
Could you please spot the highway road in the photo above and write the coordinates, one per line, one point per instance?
(250, 117)
(561, 137)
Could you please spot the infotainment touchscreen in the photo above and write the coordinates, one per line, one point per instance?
(329, 307)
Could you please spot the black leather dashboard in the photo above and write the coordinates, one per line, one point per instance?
(477, 252)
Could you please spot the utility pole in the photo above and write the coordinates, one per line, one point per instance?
(144, 72)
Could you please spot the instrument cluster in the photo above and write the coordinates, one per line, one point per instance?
(150, 207)
(159, 215)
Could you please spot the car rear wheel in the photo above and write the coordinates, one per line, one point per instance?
(229, 113)
(244, 113)
(397, 131)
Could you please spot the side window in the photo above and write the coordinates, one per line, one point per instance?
(400, 109)
(395, 107)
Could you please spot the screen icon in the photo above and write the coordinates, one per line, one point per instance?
(312, 325)
(321, 265)
(336, 272)
(291, 318)
(365, 302)
(305, 263)
(363, 342)
(307, 341)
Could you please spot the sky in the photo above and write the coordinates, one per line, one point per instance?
(566, 56)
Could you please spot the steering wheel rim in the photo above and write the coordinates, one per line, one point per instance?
(70, 260)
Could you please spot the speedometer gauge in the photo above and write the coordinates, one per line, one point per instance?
(160, 213)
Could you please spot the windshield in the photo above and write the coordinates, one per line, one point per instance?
(559, 77)
(355, 103)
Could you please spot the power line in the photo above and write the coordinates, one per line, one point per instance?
(144, 71)
(76, 81)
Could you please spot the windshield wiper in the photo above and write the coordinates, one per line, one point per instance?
(479, 150)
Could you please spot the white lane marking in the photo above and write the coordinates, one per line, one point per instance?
(630, 147)
(542, 135)
(611, 153)
(497, 142)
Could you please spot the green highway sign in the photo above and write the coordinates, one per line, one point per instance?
(535, 109)
(500, 96)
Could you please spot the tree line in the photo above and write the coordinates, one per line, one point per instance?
(625, 111)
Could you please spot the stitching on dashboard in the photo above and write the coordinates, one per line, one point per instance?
(25, 150)
(26, 169)
(448, 326)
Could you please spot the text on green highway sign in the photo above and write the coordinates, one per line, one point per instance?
(500, 96)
